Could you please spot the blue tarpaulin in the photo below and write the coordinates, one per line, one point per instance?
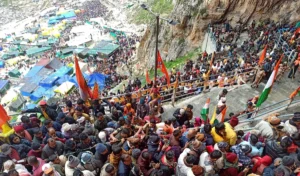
(50, 93)
(38, 93)
(74, 80)
(27, 89)
(48, 82)
(97, 77)
(62, 71)
(63, 79)
(34, 71)
(2, 64)
(3, 83)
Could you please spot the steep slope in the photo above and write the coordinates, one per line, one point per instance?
(195, 16)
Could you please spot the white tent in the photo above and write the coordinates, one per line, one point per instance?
(64, 87)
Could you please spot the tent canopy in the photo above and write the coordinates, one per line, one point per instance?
(3, 84)
(97, 77)
(36, 50)
(64, 87)
(105, 47)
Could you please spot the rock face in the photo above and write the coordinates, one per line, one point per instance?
(195, 16)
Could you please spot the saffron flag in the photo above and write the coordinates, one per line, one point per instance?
(84, 90)
(262, 56)
(147, 77)
(162, 67)
(96, 91)
(264, 95)
(295, 33)
(294, 93)
(4, 118)
(205, 110)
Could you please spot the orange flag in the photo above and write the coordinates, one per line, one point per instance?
(295, 33)
(84, 90)
(162, 67)
(147, 77)
(4, 118)
(293, 94)
(96, 91)
(262, 56)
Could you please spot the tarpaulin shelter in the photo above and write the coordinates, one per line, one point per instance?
(64, 88)
(14, 73)
(4, 86)
(36, 50)
(16, 103)
(38, 93)
(43, 62)
(48, 82)
(63, 79)
(28, 89)
(62, 71)
(34, 70)
(97, 77)
(2, 64)
(54, 64)
(104, 47)
(74, 80)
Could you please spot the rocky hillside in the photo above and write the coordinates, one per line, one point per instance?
(195, 15)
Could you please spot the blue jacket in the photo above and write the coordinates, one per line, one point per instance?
(123, 170)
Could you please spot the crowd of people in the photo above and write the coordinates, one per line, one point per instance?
(131, 137)
(135, 140)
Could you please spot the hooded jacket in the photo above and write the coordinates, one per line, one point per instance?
(274, 150)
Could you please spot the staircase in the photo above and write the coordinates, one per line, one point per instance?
(236, 99)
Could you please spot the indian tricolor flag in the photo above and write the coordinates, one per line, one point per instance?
(264, 95)
(84, 90)
(294, 94)
(205, 110)
(218, 118)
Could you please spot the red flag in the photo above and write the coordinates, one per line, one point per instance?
(294, 93)
(262, 56)
(84, 90)
(295, 33)
(96, 91)
(147, 77)
(4, 118)
(162, 67)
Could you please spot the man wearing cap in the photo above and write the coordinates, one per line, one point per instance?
(231, 166)
(102, 152)
(48, 112)
(22, 133)
(270, 128)
(71, 165)
(288, 165)
(88, 162)
(292, 126)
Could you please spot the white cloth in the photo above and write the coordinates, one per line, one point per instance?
(87, 173)
(290, 129)
(265, 129)
(206, 163)
(68, 171)
(183, 169)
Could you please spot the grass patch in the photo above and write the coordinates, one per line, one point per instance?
(162, 7)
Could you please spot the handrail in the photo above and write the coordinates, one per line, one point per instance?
(245, 115)
(185, 81)
(268, 111)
